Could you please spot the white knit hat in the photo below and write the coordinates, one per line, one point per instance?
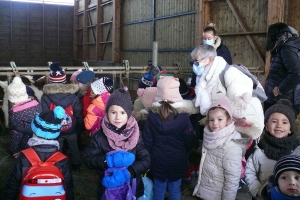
(17, 91)
(102, 85)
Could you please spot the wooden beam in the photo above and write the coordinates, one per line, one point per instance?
(275, 14)
(85, 31)
(244, 33)
(75, 27)
(99, 30)
(202, 17)
(245, 29)
(116, 31)
(58, 30)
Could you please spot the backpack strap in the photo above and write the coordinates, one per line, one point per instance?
(56, 157)
(221, 76)
(31, 155)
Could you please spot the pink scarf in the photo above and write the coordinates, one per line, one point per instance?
(119, 141)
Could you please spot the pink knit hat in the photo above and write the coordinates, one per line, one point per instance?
(224, 103)
(73, 76)
(147, 95)
(168, 89)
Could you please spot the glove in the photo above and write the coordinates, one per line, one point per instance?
(120, 159)
(117, 178)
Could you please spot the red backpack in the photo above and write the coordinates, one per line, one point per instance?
(42, 180)
(67, 121)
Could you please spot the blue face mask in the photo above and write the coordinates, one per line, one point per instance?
(198, 70)
(209, 42)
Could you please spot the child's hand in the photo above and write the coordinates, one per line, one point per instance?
(240, 122)
(120, 159)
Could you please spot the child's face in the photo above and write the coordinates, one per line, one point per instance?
(117, 116)
(289, 183)
(217, 120)
(278, 125)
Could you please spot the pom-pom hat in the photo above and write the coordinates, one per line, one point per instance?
(85, 76)
(102, 85)
(224, 103)
(168, 89)
(147, 95)
(57, 74)
(47, 124)
(16, 91)
(74, 75)
(122, 98)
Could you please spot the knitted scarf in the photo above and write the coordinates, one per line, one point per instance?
(275, 148)
(277, 195)
(125, 139)
(212, 140)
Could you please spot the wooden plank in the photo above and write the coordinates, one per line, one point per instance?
(116, 31)
(275, 14)
(245, 29)
(244, 33)
(98, 30)
(202, 17)
(85, 31)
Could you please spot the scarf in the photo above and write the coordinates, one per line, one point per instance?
(277, 195)
(206, 82)
(35, 141)
(212, 140)
(280, 41)
(275, 148)
(126, 139)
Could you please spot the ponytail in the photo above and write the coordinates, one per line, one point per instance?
(166, 109)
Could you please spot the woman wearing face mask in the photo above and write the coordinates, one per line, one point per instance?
(210, 38)
(247, 110)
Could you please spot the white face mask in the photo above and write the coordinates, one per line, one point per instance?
(209, 42)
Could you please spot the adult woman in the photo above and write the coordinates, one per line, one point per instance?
(210, 37)
(283, 81)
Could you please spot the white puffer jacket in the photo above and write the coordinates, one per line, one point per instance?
(238, 89)
(220, 168)
(259, 168)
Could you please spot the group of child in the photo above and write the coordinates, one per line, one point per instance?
(158, 134)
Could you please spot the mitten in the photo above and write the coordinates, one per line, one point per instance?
(116, 178)
(240, 104)
(120, 159)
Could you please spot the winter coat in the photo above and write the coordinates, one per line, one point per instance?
(169, 143)
(95, 155)
(220, 167)
(64, 95)
(96, 112)
(285, 72)
(222, 51)
(12, 187)
(259, 168)
(239, 91)
(20, 117)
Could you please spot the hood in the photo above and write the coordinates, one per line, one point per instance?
(185, 106)
(60, 94)
(217, 42)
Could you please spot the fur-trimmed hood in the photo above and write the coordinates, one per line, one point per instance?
(60, 88)
(217, 42)
(185, 106)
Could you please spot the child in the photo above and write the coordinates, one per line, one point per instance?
(60, 94)
(20, 116)
(222, 152)
(169, 137)
(96, 111)
(285, 182)
(46, 128)
(278, 140)
(119, 132)
(74, 75)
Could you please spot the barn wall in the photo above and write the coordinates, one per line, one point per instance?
(33, 34)
(292, 14)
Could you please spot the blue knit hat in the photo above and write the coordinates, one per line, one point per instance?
(47, 124)
(85, 76)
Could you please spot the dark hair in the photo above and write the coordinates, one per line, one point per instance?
(221, 109)
(274, 32)
(166, 109)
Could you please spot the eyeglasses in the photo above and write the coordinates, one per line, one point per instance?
(196, 62)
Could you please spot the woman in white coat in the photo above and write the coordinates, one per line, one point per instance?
(247, 110)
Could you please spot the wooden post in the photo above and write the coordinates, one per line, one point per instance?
(99, 30)
(275, 14)
(116, 32)
(154, 53)
(85, 31)
(202, 17)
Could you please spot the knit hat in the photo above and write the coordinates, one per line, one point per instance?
(74, 75)
(102, 85)
(29, 91)
(224, 103)
(185, 91)
(282, 106)
(286, 163)
(146, 81)
(147, 95)
(17, 91)
(168, 89)
(85, 76)
(122, 98)
(57, 74)
(47, 124)
(163, 73)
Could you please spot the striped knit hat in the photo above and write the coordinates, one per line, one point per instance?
(47, 124)
(57, 74)
(286, 163)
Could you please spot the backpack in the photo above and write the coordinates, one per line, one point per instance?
(258, 90)
(42, 180)
(67, 121)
